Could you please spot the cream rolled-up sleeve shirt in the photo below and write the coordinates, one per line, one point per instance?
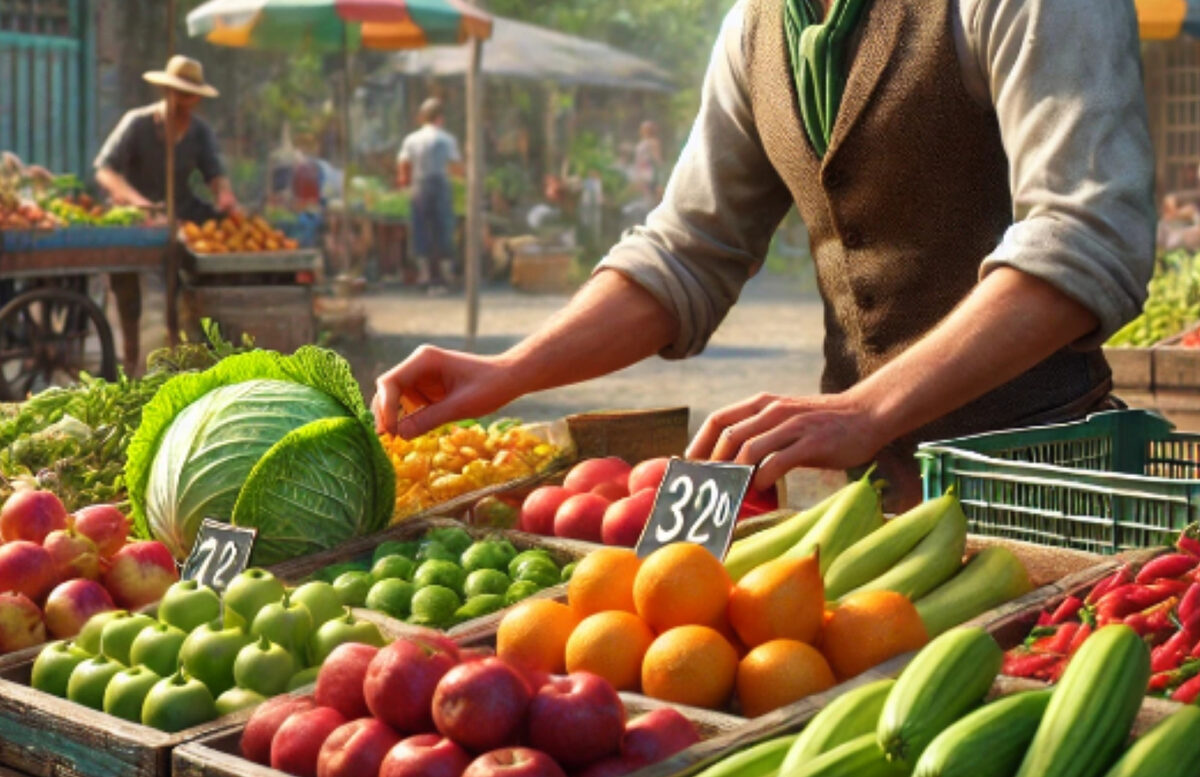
(1064, 79)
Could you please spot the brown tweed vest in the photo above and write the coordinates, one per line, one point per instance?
(908, 201)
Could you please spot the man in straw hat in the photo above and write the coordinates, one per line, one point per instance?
(132, 168)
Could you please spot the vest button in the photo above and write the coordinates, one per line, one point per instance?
(852, 239)
(866, 300)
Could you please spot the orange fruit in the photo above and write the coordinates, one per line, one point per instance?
(690, 665)
(534, 635)
(781, 599)
(780, 672)
(612, 645)
(681, 584)
(869, 628)
(603, 580)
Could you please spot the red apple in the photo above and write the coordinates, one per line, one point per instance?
(74, 554)
(266, 720)
(613, 766)
(537, 513)
(481, 705)
(581, 517)
(425, 755)
(610, 490)
(31, 515)
(586, 475)
(648, 474)
(434, 638)
(356, 749)
(26, 568)
(576, 719)
(70, 605)
(340, 681)
(20, 623)
(104, 525)
(625, 519)
(297, 743)
(657, 735)
(401, 680)
(514, 762)
(476, 653)
(140, 574)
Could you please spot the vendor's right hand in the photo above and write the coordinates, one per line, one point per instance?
(433, 387)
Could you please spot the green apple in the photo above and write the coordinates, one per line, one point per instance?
(395, 566)
(391, 597)
(443, 573)
(567, 571)
(395, 548)
(432, 549)
(88, 638)
(478, 606)
(303, 677)
(285, 623)
(339, 631)
(454, 538)
(237, 699)
(352, 588)
(126, 692)
(321, 599)
(119, 633)
(334, 571)
(248, 593)
(486, 581)
(208, 654)
(544, 572)
(178, 702)
(264, 666)
(521, 589)
(489, 554)
(53, 666)
(434, 606)
(187, 605)
(89, 679)
(525, 557)
(157, 647)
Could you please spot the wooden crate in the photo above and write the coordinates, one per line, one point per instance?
(278, 317)
(542, 271)
(1132, 369)
(218, 755)
(633, 435)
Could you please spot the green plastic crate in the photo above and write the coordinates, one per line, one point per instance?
(1114, 481)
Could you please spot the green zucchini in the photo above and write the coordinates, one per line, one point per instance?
(847, 717)
(761, 760)
(860, 757)
(991, 578)
(1170, 749)
(1001, 731)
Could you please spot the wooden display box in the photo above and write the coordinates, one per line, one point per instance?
(540, 270)
(218, 755)
(279, 318)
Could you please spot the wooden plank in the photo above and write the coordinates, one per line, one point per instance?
(73, 261)
(634, 435)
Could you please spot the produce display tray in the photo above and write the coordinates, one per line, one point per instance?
(218, 754)
(254, 262)
(1114, 481)
(79, 261)
(20, 240)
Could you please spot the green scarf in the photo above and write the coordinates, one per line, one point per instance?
(818, 52)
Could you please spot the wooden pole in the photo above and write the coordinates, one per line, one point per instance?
(474, 236)
(347, 243)
(171, 260)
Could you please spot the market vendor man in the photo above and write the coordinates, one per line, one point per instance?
(132, 168)
(979, 198)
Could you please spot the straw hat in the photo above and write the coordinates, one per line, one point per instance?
(183, 74)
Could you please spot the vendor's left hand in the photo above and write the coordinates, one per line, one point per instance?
(777, 433)
(227, 203)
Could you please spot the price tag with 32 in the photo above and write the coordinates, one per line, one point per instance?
(697, 502)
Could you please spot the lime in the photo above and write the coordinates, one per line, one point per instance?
(395, 548)
(488, 554)
(435, 550)
(524, 557)
(486, 581)
(478, 606)
(393, 566)
(391, 597)
(334, 571)
(455, 539)
(520, 590)
(352, 587)
(434, 605)
(438, 572)
(544, 572)
(567, 571)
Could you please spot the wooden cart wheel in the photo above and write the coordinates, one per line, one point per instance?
(48, 336)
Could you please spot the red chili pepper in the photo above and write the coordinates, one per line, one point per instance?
(1194, 649)
(1153, 623)
(1131, 598)
(1189, 605)
(1187, 692)
(1161, 681)
(1066, 611)
(1169, 654)
(1189, 540)
(1062, 638)
(1022, 663)
(1080, 637)
(1170, 566)
(1118, 578)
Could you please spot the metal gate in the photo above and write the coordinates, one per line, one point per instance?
(47, 89)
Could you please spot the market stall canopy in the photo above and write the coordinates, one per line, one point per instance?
(332, 25)
(521, 50)
(1167, 19)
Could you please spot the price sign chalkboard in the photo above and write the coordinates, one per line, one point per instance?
(697, 502)
(220, 553)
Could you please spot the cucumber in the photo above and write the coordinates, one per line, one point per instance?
(761, 760)
(946, 679)
(860, 757)
(853, 515)
(1170, 749)
(847, 717)
(1093, 707)
(1001, 730)
(934, 560)
(991, 578)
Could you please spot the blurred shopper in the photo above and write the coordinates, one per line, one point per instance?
(427, 160)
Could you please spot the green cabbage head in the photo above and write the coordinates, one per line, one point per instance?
(283, 444)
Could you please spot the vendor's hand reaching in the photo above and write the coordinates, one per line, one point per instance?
(434, 387)
(779, 433)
